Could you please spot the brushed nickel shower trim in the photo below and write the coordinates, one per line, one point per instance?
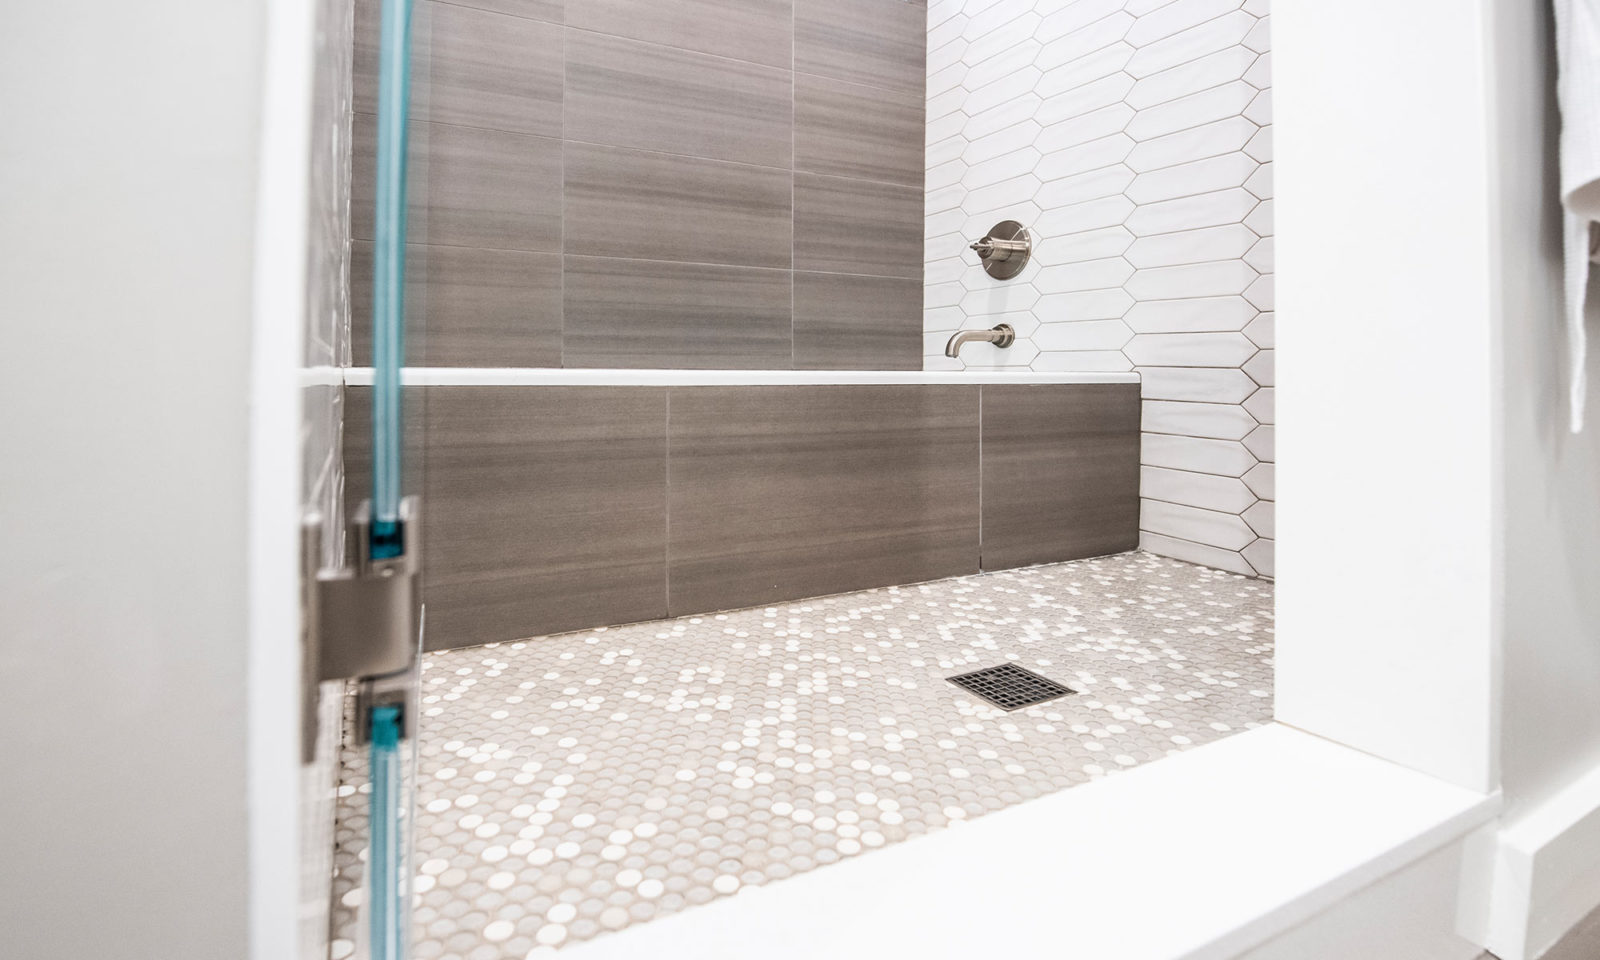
(1005, 251)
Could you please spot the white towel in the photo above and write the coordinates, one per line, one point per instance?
(1578, 49)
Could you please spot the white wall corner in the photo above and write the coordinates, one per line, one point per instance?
(1539, 873)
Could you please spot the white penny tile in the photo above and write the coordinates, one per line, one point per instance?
(633, 772)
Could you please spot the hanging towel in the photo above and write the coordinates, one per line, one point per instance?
(1578, 89)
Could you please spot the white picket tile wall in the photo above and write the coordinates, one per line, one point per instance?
(1133, 137)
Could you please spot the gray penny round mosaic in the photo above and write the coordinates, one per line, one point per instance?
(578, 784)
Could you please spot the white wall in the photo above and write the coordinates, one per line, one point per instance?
(129, 184)
(1385, 599)
(1134, 139)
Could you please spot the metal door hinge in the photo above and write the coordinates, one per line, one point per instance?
(361, 622)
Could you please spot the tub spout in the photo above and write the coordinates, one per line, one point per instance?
(1003, 335)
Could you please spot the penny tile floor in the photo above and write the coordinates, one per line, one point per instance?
(578, 784)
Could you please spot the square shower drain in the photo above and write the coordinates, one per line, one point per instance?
(1010, 687)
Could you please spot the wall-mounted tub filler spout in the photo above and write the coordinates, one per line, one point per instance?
(1003, 335)
(1005, 250)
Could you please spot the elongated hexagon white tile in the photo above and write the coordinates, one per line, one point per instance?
(1070, 17)
(1080, 43)
(1261, 517)
(1093, 185)
(1260, 330)
(1190, 349)
(1196, 176)
(1207, 106)
(1207, 38)
(1219, 278)
(1180, 81)
(1261, 405)
(1190, 316)
(1262, 556)
(1085, 275)
(1172, 18)
(1207, 140)
(1201, 384)
(1222, 529)
(1085, 245)
(1261, 480)
(1084, 99)
(578, 784)
(1216, 421)
(1225, 458)
(1261, 443)
(1203, 490)
(1082, 335)
(1262, 368)
(1191, 213)
(1084, 305)
(1081, 361)
(1227, 241)
(1082, 129)
(1069, 76)
(1094, 155)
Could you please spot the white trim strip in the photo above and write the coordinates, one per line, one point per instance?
(552, 377)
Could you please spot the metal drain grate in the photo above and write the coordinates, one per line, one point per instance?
(1010, 687)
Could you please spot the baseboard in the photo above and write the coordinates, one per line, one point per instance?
(1543, 873)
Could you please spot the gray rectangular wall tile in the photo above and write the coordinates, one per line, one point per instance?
(467, 307)
(853, 130)
(630, 94)
(482, 69)
(755, 30)
(844, 322)
(545, 510)
(471, 187)
(857, 227)
(548, 10)
(785, 492)
(651, 206)
(651, 313)
(880, 42)
(1060, 472)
